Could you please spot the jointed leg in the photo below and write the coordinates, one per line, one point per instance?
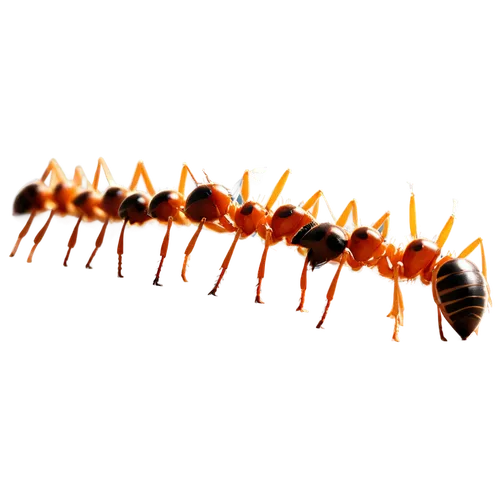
(119, 249)
(444, 233)
(467, 251)
(163, 252)
(397, 305)
(262, 267)
(440, 325)
(140, 170)
(331, 290)
(102, 164)
(72, 240)
(23, 233)
(40, 235)
(303, 285)
(352, 207)
(312, 202)
(98, 242)
(55, 169)
(383, 223)
(277, 190)
(413, 215)
(190, 248)
(182, 182)
(245, 187)
(225, 264)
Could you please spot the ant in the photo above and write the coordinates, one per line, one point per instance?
(460, 288)
(250, 218)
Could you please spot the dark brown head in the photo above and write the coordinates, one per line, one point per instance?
(134, 208)
(34, 197)
(209, 201)
(325, 243)
(111, 201)
(166, 204)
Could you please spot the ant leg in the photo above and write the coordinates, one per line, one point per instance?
(102, 164)
(413, 215)
(352, 207)
(57, 173)
(227, 224)
(182, 182)
(331, 290)
(190, 248)
(119, 249)
(445, 232)
(245, 187)
(215, 227)
(225, 264)
(468, 250)
(440, 327)
(303, 285)
(22, 235)
(72, 240)
(262, 266)
(277, 190)
(397, 305)
(383, 223)
(163, 252)
(52, 171)
(312, 200)
(40, 235)
(140, 171)
(98, 243)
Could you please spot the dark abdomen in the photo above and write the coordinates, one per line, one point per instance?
(461, 294)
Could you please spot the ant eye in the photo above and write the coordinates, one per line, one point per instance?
(247, 209)
(417, 246)
(285, 211)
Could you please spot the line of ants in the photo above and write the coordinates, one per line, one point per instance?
(460, 289)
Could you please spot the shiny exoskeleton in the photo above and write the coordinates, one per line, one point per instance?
(461, 293)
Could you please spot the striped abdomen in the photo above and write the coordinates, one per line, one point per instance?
(461, 294)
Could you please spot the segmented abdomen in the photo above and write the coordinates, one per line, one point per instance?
(462, 294)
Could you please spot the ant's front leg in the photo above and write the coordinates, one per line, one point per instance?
(261, 270)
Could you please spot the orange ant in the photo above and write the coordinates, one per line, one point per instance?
(250, 218)
(49, 197)
(460, 288)
(169, 207)
(274, 227)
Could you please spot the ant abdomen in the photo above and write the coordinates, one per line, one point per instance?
(33, 197)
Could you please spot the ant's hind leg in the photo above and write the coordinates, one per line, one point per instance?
(468, 250)
(163, 252)
(98, 243)
(225, 263)
(262, 267)
(23, 233)
(190, 248)
(303, 285)
(40, 235)
(440, 325)
(331, 290)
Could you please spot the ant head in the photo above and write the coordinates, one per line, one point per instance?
(207, 201)
(419, 255)
(134, 208)
(88, 203)
(364, 242)
(288, 220)
(249, 216)
(166, 204)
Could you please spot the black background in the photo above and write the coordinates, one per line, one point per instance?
(100, 305)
